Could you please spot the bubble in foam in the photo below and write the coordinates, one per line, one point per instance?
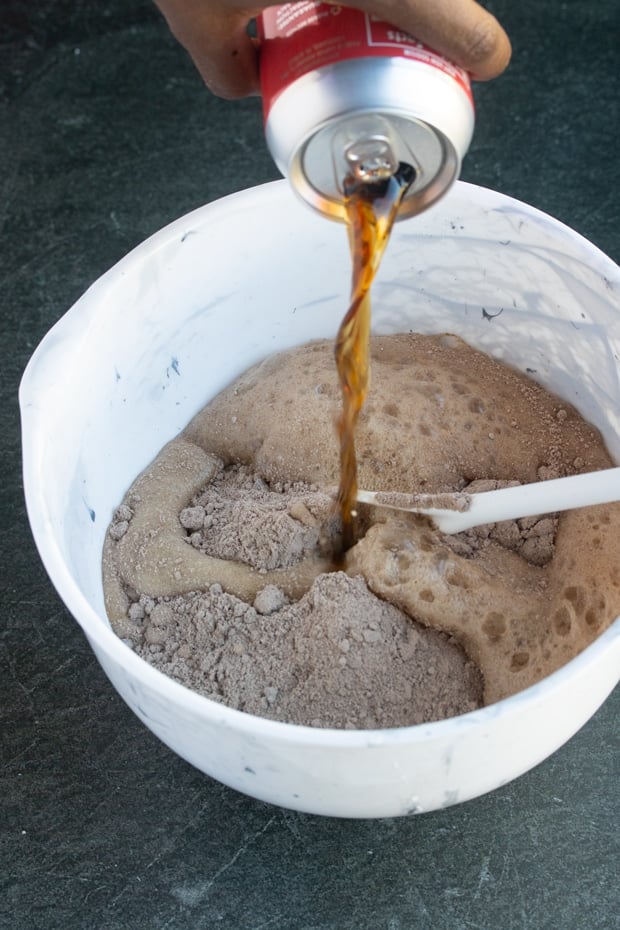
(562, 622)
(519, 661)
(576, 596)
(494, 626)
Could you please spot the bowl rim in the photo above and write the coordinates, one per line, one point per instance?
(97, 628)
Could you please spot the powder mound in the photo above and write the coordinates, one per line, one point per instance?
(239, 517)
(235, 510)
(339, 657)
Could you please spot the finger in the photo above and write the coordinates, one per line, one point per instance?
(218, 43)
(462, 30)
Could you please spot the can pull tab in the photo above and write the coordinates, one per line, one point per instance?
(365, 150)
(371, 159)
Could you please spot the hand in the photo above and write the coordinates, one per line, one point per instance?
(214, 32)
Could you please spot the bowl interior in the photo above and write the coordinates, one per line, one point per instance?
(188, 310)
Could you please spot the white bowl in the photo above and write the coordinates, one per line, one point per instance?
(176, 320)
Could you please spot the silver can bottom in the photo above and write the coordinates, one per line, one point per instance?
(426, 115)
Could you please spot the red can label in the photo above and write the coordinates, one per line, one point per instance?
(302, 37)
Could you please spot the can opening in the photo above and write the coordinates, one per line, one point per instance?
(374, 188)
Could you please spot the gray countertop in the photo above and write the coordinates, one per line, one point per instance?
(107, 134)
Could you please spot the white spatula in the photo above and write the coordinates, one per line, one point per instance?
(459, 511)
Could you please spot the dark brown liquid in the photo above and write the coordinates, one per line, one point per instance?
(371, 212)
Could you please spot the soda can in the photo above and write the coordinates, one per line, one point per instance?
(345, 92)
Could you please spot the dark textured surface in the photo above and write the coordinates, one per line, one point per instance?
(106, 135)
